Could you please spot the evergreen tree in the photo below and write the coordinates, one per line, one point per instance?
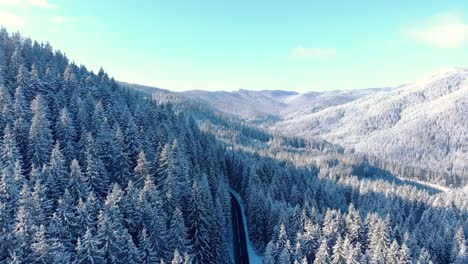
(42, 250)
(110, 239)
(392, 256)
(141, 171)
(66, 134)
(339, 254)
(459, 251)
(79, 186)
(40, 135)
(269, 256)
(177, 258)
(199, 222)
(147, 251)
(282, 242)
(153, 217)
(121, 159)
(57, 177)
(9, 152)
(309, 239)
(405, 254)
(87, 250)
(178, 237)
(21, 126)
(424, 257)
(322, 256)
(24, 228)
(130, 209)
(95, 170)
(285, 256)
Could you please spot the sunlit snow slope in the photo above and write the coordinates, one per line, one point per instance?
(423, 124)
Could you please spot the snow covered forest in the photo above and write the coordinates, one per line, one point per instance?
(93, 172)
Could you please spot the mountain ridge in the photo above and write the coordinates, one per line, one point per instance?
(427, 111)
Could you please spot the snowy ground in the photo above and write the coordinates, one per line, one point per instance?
(254, 257)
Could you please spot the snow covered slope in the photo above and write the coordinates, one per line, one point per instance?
(269, 106)
(250, 105)
(423, 124)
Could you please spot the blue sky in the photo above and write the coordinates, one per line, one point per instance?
(226, 45)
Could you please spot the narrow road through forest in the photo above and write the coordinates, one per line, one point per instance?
(241, 255)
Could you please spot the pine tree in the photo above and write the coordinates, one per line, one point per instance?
(35, 84)
(66, 134)
(141, 171)
(424, 257)
(21, 126)
(43, 205)
(181, 175)
(177, 258)
(178, 237)
(8, 193)
(153, 217)
(87, 250)
(121, 160)
(199, 222)
(92, 208)
(459, 251)
(353, 223)
(24, 228)
(95, 170)
(133, 254)
(309, 239)
(110, 239)
(9, 152)
(354, 255)
(6, 116)
(165, 168)
(147, 251)
(65, 221)
(57, 177)
(322, 256)
(269, 256)
(105, 145)
(42, 250)
(40, 135)
(392, 256)
(79, 186)
(132, 141)
(339, 254)
(282, 242)
(405, 254)
(130, 209)
(16, 60)
(285, 256)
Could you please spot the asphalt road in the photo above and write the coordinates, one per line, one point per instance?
(241, 255)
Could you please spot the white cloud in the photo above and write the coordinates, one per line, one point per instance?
(301, 52)
(10, 2)
(445, 30)
(11, 20)
(41, 3)
(36, 3)
(60, 19)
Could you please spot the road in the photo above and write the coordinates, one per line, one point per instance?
(241, 255)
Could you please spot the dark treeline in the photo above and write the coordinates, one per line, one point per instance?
(327, 214)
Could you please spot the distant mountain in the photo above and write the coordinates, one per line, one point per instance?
(269, 106)
(421, 124)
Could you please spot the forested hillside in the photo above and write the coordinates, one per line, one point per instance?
(422, 124)
(92, 172)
